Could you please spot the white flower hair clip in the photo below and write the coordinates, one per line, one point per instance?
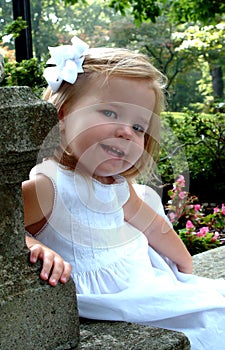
(68, 60)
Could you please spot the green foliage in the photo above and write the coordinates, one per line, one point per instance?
(14, 28)
(179, 11)
(72, 2)
(187, 54)
(199, 230)
(141, 10)
(25, 73)
(199, 138)
(206, 45)
(205, 11)
(195, 244)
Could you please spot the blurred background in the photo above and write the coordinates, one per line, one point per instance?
(183, 39)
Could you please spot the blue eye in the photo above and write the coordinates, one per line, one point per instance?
(138, 128)
(109, 114)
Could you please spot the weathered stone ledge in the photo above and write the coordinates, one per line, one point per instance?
(210, 264)
(128, 336)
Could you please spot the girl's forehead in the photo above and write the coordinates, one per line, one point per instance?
(133, 91)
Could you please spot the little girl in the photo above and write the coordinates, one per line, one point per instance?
(82, 211)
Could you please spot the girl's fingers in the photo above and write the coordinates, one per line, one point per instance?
(35, 253)
(66, 272)
(47, 264)
(60, 271)
(54, 268)
(57, 270)
(51, 267)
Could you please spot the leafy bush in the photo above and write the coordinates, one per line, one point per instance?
(26, 73)
(198, 229)
(195, 143)
(14, 28)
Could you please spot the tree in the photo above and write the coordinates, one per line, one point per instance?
(5, 13)
(206, 44)
(180, 11)
(204, 11)
(141, 10)
(54, 23)
(14, 28)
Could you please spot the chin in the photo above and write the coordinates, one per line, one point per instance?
(108, 169)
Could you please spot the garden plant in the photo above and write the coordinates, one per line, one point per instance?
(199, 227)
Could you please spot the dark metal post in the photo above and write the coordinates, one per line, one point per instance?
(23, 44)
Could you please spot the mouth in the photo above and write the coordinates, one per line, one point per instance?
(113, 151)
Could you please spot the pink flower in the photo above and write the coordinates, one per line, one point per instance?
(215, 237)
(180, 181)
(172, 217)
(223, 209)
(180, 178)
(189, 225)
(216, 210)
(182, 194)
(197, 207)
(202, 232)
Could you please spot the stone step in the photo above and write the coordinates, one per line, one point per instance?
(210, 263)
(128, 336)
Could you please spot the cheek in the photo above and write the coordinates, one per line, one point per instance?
(84, 142)
(140, 144)
(137, 149)
(73, 130)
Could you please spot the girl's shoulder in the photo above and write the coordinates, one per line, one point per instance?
(151, 197)
(47, 167)
(147, 193)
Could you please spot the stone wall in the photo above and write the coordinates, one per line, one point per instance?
(33, 314)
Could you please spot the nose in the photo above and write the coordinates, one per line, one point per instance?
(124, 131)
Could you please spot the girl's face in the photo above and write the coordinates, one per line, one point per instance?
(105, 129)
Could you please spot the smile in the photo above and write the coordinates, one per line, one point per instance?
(113, 151)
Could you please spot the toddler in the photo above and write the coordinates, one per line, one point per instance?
(86, 217)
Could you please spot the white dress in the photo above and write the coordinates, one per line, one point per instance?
(117, 275)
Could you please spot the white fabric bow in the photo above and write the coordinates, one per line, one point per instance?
(68, 60)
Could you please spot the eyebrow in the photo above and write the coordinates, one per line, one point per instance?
(112, 104)
(122, 105)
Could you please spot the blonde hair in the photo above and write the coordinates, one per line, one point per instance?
(115, 62)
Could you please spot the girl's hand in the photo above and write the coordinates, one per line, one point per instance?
(54, 268)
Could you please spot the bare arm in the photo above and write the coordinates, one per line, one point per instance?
(38, 197)
(160, 235)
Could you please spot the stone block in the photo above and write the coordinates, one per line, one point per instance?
(33, 314)
(210, 264)
(96, 335)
